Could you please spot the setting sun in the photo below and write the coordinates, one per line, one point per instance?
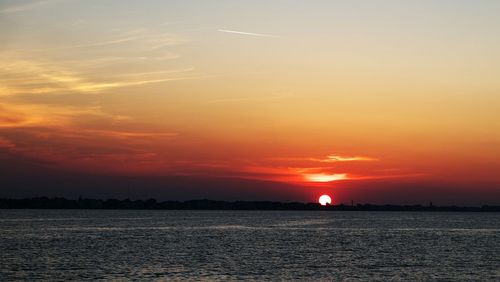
(324, 200)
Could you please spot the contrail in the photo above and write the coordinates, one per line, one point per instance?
(245, 33)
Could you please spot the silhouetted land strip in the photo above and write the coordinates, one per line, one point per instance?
(151, 204)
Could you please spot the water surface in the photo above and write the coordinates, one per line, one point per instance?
(250, 245)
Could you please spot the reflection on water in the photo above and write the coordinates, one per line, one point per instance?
(251, 245)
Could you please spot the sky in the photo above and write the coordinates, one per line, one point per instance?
(371, 101)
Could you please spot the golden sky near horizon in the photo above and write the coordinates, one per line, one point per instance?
(290, 91)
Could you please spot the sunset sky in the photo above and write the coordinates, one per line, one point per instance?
(372, 101)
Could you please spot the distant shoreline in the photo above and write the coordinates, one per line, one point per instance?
(152, 204)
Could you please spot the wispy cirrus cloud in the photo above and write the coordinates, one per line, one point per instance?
(327, 159)
(91, 134)
(95, 66)
(140, 39)
(246, 33)
(31, 76)
(23, 115)
(132, 134)
(337, 158)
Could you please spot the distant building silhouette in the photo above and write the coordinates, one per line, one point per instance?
(62, 203)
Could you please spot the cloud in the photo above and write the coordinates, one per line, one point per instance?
(336, 158)
(334, 168)
(64, 139)
(93, 66)
(140, 39)
(325, 177)
(327, 159)
(245, 33)
(96, 87)
(22, 115)
(34, 77)
(6, 143)
(12, 116)
(131, 134)
(39, 84)
(328, 174)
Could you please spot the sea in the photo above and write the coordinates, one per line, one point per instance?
(144, 245)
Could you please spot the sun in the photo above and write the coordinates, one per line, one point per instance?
(325, 200)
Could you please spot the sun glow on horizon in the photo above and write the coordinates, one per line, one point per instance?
(324, 177)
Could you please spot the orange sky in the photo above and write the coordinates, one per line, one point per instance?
(331, 96)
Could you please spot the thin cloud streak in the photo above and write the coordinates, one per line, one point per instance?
(6, 143)
(328, 159)
(245, 33)
(324, 177)
(336, 158)
(23, 75)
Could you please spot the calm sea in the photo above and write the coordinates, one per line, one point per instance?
(248, 245)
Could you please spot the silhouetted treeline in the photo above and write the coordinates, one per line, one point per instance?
(62, 203)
